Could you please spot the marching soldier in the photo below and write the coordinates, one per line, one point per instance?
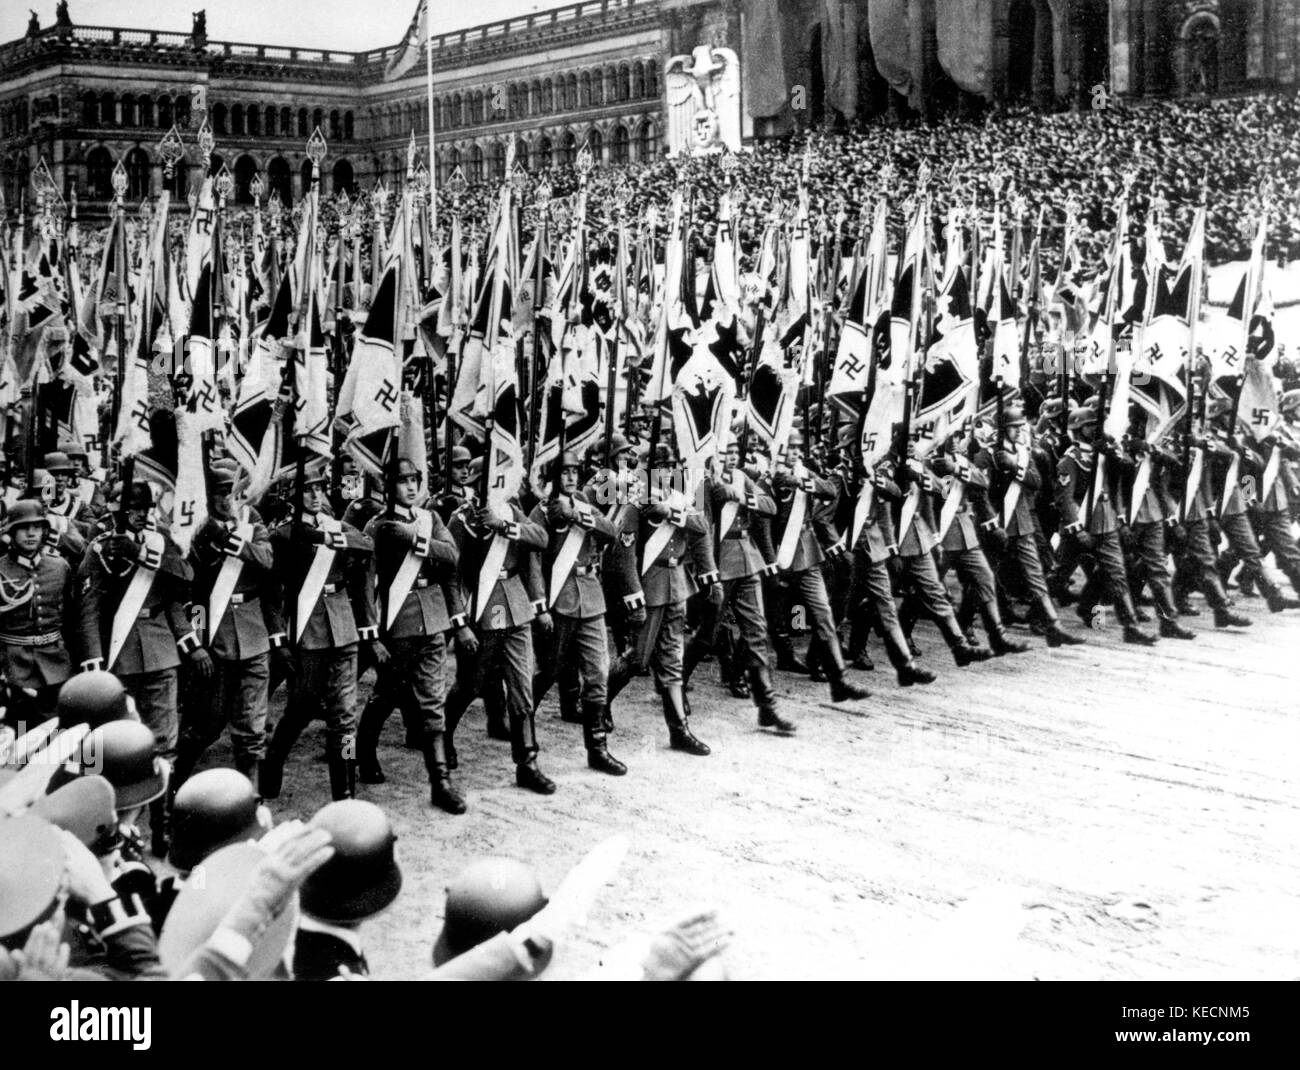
(460, 491)
(735, 498)
(1096, 535)
(500, 639)
(578, 532)
(419, 596)
(234, 582)
(323, 565)
(655, 593)
(1282, 499)
(1014, 480)
(799, 492)
(134, 588)
(36, 599)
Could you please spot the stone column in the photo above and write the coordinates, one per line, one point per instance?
(1043, 83)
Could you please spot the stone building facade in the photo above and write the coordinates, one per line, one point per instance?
(84, 97)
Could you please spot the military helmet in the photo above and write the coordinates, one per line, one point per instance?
(1013, 416)
(1290, 401)
(122, 753)
(86, 807)
(92, 698)
(1083, 416)
(41, 478)
(74, 450)
(407, 467)
(212, 809)
(25, 511)
(57, 463)
(491, 896)
(795, 440)
(140, 496)
(314, 471)
(32, 874)
(223, 473)
(363, 877)
(460, 455)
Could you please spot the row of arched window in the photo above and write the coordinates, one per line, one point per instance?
(638, 80)
(482, 163)
(132, 110)
(270, 121)
(14, 119)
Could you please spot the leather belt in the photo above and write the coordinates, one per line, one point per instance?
(586, 570)
(331, 588)
(242, 599)
(507, 573)
(149, 614)
(672, 562)
(421, 583)
(31, 640)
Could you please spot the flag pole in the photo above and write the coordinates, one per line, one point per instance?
(433, 160)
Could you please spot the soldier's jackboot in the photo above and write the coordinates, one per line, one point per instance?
(453, 710)
(680, 736)
(442, 792)
(343, 776)
(760, 682)
(1226, 618)
(1273, 595)
(620, 672)
(1168, 613)
(523, 748)
(963, 653)
(368, 730)
(498, 726)
(593, 735)
(818, 660)
(999, 640)
(1127, 614)
(786, 659)
(842, 690)
(1056, 635)
(909, 672)
(569, 711)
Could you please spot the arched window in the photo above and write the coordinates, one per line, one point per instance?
(596, 143)
(245, 169)
(651, 78)
(624, 83)
(571, 92)
(89, 109)
(349, 127)
(317, 121)
(219, 119)
(303, 130)
(336, 128)
(306, 177)
(277, 172)
(343, 182)
(128, 110)
(144, 111)
(253, 119)
(237, 120)
(99, 174)
(456, 107)
(476, 164)
(548, 97)
(522, 154)
(476, 112)
(535, 98)
(543, 152)
(165, 113)
(138, 175)
(568, 149)
(496, 161)
(181, 112)
(512, 101)
(179, 183)
(453, 161)
(638, 80)
(648, 150)
(107, 109)
(215, 163)
(597, 87)
(619, 145)
(286, 121)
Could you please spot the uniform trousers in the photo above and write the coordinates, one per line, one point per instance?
(1196, 563)
(155, 694)
(235, 695)
(504, 655)
(809, 587)
(658, 646)
(414, 682)
(577, 648)
(1274, 530)
(323, 684)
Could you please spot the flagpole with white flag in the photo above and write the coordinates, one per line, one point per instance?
(433, 159)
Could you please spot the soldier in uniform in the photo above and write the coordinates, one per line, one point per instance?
(735, 498)
(500, 639)
(323, 565)
(234, 581)
(1282, 500)
(655, 595)
(1007, 464)
(578, 532)
(36, 599)
(460, 491)
(799, 491)
(419, 596)
(134, 588)
(66, 537)
(1095, 536)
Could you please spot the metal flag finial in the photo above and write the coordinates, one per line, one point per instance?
(457, 185)
(586, 160)
(224, 183)
(171, 149)
(119, 179)
(316, 147)
(256, 187)
(206, 141)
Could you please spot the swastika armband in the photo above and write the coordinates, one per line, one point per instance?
(277, 640)
(511, 530)
(539, 605)
(368, 633)
(459, 620)
(635, 600)
(188, 643)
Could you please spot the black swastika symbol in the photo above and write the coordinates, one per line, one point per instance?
(140, 415)
(853, 366)
(187, 513)
(386, 396)
(1259, 417)
(1230, 355)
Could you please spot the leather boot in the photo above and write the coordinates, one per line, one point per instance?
(1183, 603)
(368, 730)
(270, 776)
(453, 711)
(1273, 596)
(842, 690)
(569, 711)
(760, 681)
(997, 632)
(442, 792)
(786, 659)
(909, 672)
(593, 734)
(680, 736)
(620, 672)
(523, 748)
(1226, 618)
(963, 653)
(1127, 613)
(1045, 612)
(1168, 613)
(343, 777)
(816, 660)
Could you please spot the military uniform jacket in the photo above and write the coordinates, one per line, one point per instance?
(1159, 501)
(582, 595)
(1285, 491)
(344, 612)
(1001, 471)
(974, 511)
(738, 556)
(665, 581)
(511, 603)
(36, 598)
(821, 492)
(434, 598)
(327, 953)
(454, 499)
(919, 538)
(1074, 474)
(254, 610)
(161, 625)
(878, 529)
